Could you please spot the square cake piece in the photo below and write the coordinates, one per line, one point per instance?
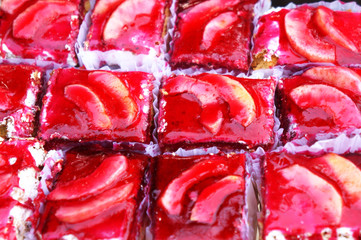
(19, 180)
(213, 34)
(98, 195)
(307, 35)
(19, 88)
(315, 197)
(210, 109)
(199, 197)
(320, 103)
(85, 105)
(127, 25)
(41, 30)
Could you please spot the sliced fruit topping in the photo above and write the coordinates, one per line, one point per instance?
(334, 102)
(81, 211)
(172, 198)
(303, 41)
(109, 172)
(316, 200)
(10, 6)
(103, 6)
(31, 22)
(119, 91)
(206, 9)
(217, 25)
(207, 95)
(343, 172)
(241, 104)
(324, 21)
(89, 102)
(5, 182)
(212, 197)
(339, 77)
(125, 16)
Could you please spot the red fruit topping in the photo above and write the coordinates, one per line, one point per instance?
(212, 197)
(5, 182)
(88, 101)
(241, 104)
(31, 22)
(343, 172)
(118, 91)
(334, 102)
(109, 172)
(339, 77)
(125, 15)
(207, 95)
(216, 26)
(303, 41)
(10, 6)
(324, 21)
(81, 211)
(310, 198)
(5, 100)
(172, 197)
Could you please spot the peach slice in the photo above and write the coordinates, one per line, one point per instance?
(217, 25)
(119, 91)
(109, 172)
(303, 41)
(212, 197)
(339, 77)
(206, 9)
(241, 104)
(318, 200)
(30, 23)
(124, 16)
(88, 101)
(334, 102)
(83, 210)
(343, 172)
(207, 95)
(324, 21)
(10, 6)
(103, 6)
(172, 197)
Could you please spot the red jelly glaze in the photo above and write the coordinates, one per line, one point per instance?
(178, 112)
(18, 149)
(55, 44)
(280, 200)
(271, 35)
(118, 221)
(229, 49)
(19, 87)
(61, 117)
(143, 34)
(310, 122)
(228, 223)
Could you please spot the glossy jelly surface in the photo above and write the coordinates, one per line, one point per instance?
(96, 196)
(19, 87)
(321, 100)
(44, 30)
(192, 200)
(215, 109)
(213, 34)
(130, 25)
(97, 105)
(313, 196)
(307, 34)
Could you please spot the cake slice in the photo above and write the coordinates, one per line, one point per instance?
(83, 105)
(199, 197)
